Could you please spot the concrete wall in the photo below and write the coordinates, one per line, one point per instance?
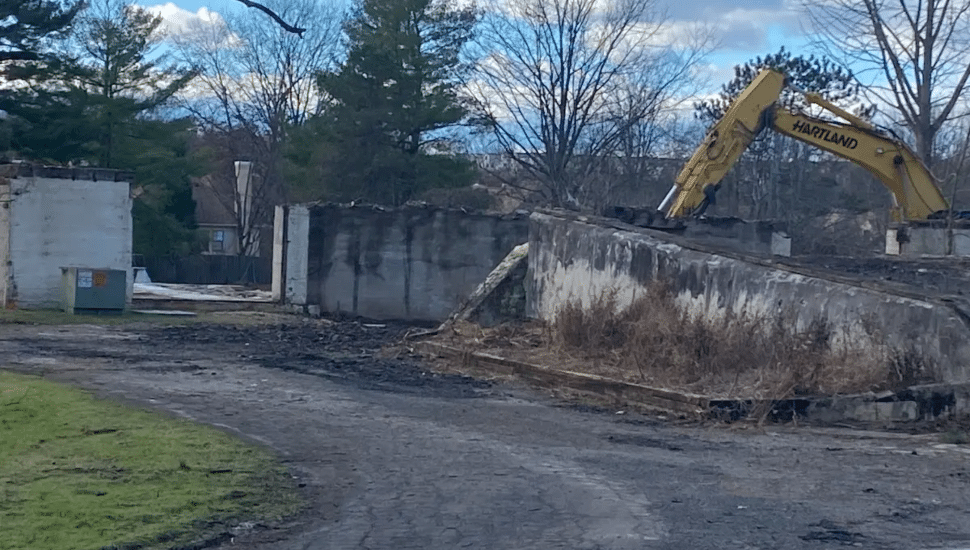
(279, 251)
(55, 221)
(6, 286)
(928, 239)
(297, 271)
(573, 259)
(416, 263)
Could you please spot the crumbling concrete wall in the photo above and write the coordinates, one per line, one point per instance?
(500, 297)
(574, 259)
(59, 217)
(291, 246)
(928, 238)
(416, 263)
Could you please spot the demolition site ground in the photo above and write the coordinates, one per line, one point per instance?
(389, 453)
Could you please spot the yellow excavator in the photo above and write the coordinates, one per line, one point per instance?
(915, 194)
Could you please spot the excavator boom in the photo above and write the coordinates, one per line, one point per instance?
(723, 145)
(915, 195)
(914, 191)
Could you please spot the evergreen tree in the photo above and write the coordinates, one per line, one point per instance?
(384, 133)
(99, 105)
(25, 24)
(28, 29)
(812, 74)
(120, 73)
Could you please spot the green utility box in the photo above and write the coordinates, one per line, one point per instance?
(98, 291)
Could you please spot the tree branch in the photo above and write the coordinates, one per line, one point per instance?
(18, 56)
(286, 26)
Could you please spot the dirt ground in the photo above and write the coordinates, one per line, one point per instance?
(393, 455)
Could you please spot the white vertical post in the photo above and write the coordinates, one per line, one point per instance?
(279, 251)
(297, 254)
(243, 206)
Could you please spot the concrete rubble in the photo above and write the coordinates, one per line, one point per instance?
(501, 297)
(205, 293)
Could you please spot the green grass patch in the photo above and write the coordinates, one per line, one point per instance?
(81, 473)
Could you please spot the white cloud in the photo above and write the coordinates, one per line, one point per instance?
(741, 24)
(178, 22)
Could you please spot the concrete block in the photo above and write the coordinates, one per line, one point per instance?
(780, 244)
(930, 238)
(892, 242)
(898, 411)
(961, 243)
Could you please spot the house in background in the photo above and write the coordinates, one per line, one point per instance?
(227, 214)
(216, 221)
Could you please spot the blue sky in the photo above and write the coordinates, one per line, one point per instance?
(743, 28)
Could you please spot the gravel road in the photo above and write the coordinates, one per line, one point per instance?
(392, 456)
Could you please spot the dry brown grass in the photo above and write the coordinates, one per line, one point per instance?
(654, 342)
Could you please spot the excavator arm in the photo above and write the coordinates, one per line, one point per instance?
(915, 195)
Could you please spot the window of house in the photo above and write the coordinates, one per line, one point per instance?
(217, 244)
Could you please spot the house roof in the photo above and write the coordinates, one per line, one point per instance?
(213, 200)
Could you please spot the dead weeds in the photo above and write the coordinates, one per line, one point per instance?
(656, 343)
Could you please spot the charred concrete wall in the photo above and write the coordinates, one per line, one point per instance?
(570, 258)
(60, 217)
(415, 263)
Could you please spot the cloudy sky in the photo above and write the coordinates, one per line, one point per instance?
(743, 28)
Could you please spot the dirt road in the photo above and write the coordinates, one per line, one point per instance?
(393, 456)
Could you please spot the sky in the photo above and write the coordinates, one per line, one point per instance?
(743, 29)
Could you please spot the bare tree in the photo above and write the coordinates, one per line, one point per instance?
(649, 108)
(914, 54)
(551, 76)
(255, 81)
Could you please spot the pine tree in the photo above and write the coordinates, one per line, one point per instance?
(393, 100)
(98, 104)
(25, 24)
(803, 73)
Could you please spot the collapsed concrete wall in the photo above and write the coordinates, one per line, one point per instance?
(579, 258)
(415, 262)
(501, 296)
(59, 217)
